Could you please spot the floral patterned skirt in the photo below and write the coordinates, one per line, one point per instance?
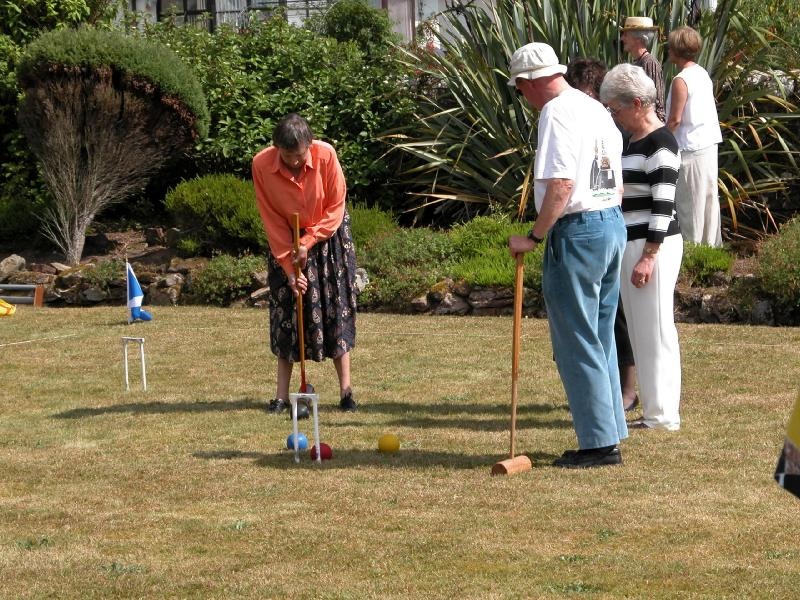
(329, 304)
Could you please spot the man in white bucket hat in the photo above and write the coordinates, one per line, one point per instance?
(577, 191)
(637, 36)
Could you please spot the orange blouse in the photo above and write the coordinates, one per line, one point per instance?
(317, 194)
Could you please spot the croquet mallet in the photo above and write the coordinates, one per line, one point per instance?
(515, 464)
(306, 394)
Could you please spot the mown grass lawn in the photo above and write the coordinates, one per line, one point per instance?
(185, 491)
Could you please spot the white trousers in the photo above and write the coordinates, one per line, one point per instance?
(651, 328)
(697, 197)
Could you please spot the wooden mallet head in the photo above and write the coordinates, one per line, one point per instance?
(510, 466)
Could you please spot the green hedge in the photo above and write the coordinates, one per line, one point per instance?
(483, 258)
(22, 192)
(254, 78)
(130, 57)
(701, 262)
(369, 225)
(217, 212)
(226, 279)
(404, 265)
(779, 265)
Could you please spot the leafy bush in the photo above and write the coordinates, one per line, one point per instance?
(355, 20)
(189, 246)
(369, 225)
(404, 265)
(779, 265)
(255, 77)
(226, 278)
(780, 17)
(482, 249)
(104, 273)
(24, 20)
(700, 262)
(23, 195)
(22, 191)
(218, 212)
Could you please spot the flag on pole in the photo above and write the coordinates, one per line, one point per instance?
(135, 297)
(788, 472)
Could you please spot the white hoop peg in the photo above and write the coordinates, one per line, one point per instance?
(125, 342)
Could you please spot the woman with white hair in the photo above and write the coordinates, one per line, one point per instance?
(652, 259)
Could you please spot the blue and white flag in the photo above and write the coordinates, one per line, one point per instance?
(135, 297)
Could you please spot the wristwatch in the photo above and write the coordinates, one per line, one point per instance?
(532, 236)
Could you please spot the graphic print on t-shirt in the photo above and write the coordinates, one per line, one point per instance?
(602, 181)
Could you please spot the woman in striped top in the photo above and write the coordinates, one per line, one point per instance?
(652, 260)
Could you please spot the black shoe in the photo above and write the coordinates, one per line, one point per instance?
(347, 404)
(277, 405)
(585, 459)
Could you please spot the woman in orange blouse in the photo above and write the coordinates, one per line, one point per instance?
(299, 174)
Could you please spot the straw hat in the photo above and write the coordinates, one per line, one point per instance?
(638, 24)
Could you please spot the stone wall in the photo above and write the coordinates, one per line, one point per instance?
(166, 281)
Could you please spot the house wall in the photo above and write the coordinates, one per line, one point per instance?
(405, 14)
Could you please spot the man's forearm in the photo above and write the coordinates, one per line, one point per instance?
(555, 200)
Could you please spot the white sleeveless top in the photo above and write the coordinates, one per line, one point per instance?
(699, 126)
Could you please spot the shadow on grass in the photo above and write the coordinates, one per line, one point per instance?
(444, 408)
(156, 408)
(436, 415)
(346, 459)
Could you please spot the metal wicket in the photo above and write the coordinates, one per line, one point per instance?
(125, 342)
(314, 400)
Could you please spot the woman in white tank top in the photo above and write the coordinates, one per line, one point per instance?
(692, 118)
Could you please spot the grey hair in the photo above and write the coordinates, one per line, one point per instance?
(624, 83)
(647, 37)
(292, 132)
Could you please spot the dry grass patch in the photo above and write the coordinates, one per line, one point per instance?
(186, 490)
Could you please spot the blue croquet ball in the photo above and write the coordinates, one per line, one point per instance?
(302, 441)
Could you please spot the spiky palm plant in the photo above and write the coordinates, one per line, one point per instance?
(473, 141)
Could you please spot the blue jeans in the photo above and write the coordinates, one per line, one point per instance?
(580, 282)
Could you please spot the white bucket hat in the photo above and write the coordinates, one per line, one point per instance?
(532, 61)
(638, 24)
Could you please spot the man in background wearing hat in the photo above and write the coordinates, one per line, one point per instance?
(577, 190)
(637, 36)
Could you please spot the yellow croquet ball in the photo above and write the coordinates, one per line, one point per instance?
(388, 442)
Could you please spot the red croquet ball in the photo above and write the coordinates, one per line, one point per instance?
(325, 452)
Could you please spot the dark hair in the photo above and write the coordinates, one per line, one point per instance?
(291, 132)
(586, 75)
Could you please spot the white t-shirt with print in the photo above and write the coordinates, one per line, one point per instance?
(578, 140)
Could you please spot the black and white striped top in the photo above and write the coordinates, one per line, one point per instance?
(649, 174)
